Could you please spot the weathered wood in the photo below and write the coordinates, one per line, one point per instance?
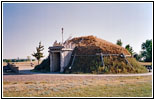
(107, 54)
(84, 55)
(128, 62)
(102, 59)
(72, 62)
(128, 56)
(98, 54)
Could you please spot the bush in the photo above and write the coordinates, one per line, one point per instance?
(44, 66)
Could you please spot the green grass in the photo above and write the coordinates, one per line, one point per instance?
(128, 90)
(113, 64)
(93, 64)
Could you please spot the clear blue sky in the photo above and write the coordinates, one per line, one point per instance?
(25, 24)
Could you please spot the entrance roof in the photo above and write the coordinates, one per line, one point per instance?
(56, 47)
(59, 48)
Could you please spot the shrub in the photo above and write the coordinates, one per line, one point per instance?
(44, 66)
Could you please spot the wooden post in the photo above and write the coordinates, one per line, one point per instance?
(127, 61)
(72, 62)
(102, 59)
(62, 36)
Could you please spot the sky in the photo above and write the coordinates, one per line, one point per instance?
(26, 24)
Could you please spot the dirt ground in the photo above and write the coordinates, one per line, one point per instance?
(55, 85)
(24, 67)
(29, 83)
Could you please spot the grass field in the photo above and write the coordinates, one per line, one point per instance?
(50, 85)
(79, 86)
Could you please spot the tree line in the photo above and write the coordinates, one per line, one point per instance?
(16, 60)
(145, 53)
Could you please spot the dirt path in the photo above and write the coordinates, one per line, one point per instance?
(49, 76)
(26, 74)
(111, 75)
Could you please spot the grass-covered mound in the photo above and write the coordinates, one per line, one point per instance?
(120, 65)
(93, 64)
(92, 45)
(44, 66)
(89, 46)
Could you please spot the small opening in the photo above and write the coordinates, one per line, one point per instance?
(56, 62)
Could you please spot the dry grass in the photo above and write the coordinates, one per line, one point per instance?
(92, 45)
(146, 63)
(93, 64)
(25, 63)
(80, 86)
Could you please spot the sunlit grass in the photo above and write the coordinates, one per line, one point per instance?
(120, 87)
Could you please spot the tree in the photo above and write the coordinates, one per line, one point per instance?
(129, 48)
(38, 55)
(28, 58)
(7, 60)
(147, 50)
(137, 56)
(119, 42)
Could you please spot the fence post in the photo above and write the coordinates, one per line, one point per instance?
(72, 62)
(127, 61)
(102, 59)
